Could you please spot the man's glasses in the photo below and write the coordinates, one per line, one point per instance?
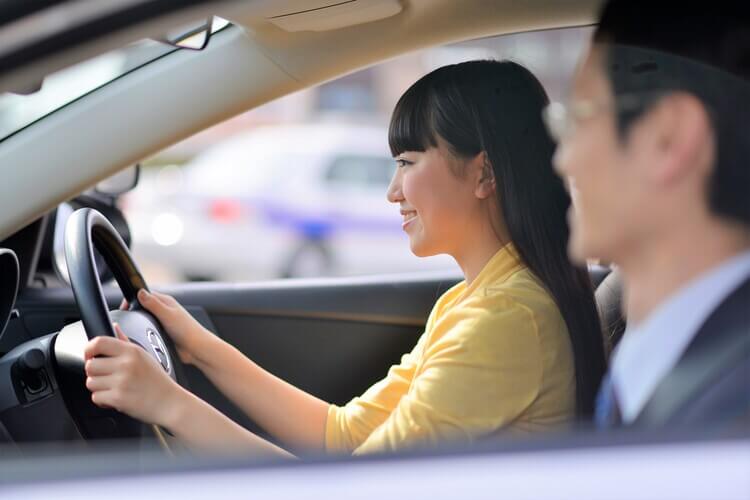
(561, 119)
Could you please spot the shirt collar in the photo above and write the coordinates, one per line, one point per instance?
(649, 350)
(499, 268)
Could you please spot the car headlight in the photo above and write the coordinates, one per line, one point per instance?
(167, 229)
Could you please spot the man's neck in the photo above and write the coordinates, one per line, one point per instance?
(656, 271)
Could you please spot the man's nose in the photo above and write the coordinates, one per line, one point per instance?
(558, 160)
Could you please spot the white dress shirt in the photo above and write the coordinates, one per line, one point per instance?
(649, 350)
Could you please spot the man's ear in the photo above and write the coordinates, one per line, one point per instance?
(485, 184)
(683, 139)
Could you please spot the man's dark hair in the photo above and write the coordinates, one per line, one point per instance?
(700, 48)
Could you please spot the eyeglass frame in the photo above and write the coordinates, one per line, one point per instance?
(562, 125)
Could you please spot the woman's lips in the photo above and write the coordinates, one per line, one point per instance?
(408, 218)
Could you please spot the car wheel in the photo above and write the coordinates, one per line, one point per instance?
(310, 259)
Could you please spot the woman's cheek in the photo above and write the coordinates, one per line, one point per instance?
(409, 190)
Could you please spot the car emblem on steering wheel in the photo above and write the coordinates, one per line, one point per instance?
(160, 350)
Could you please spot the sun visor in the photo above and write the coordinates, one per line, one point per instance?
(324, 15)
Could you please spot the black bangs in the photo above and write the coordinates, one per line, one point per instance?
(412, 125)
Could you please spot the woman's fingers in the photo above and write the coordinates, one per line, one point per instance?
(99, 383)
(177, 322)
(100, 366)
(131, 381)
(104, 346)
(151, 302)
(104, 399)
(154, 299)
(165, 299)
(119, 333)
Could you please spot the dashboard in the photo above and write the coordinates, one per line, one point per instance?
(43, 397)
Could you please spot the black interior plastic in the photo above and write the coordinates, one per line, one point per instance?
(88, 229)
(26, 243)
(9, 272)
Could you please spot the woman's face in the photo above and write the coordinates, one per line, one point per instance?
(438, 203)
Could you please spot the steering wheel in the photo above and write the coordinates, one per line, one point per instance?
(86, 230)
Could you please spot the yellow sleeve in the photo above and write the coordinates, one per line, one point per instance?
(347, 427)
(481, 374)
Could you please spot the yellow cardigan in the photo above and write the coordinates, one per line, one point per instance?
(494, 356)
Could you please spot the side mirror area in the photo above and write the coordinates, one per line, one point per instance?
(120, 183)
(64, 210)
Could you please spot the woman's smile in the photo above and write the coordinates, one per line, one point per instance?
(409, 216)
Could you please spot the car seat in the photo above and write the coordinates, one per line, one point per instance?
(609, 302)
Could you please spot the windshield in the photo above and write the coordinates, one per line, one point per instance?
(69, 84)
(63, 87)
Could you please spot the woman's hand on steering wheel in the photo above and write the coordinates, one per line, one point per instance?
(121, 375)
(186, 333)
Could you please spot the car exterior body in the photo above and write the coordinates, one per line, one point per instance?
(238, 200)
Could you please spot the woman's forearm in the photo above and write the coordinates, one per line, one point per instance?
(201, 427)
(295, 417)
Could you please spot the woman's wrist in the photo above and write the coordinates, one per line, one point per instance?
(175, 407)
(203, 350)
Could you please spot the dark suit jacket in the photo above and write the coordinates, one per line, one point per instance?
(710, 385)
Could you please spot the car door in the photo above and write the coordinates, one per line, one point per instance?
(331, 337)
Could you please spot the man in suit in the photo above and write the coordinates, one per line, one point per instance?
(655, 145)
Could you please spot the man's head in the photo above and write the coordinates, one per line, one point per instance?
(657, 131)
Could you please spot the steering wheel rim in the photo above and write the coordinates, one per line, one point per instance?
(86, 230)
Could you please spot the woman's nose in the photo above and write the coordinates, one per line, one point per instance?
(394, 193)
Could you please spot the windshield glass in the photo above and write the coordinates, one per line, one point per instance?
(69, 84)
(63, 87)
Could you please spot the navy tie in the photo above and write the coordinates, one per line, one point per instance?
(607, 411)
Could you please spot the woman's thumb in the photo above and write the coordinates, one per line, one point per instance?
(146, 299)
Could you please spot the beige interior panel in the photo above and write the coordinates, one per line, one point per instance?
(129, 119)
(179, 95)
(340, 15)
(313, 57)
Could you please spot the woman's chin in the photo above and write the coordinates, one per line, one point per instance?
(420, 249)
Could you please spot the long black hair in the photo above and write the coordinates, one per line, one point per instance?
(496, 107)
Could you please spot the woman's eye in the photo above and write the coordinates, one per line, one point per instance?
(400, 162)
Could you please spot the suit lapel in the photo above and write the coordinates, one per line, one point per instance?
(722, 341)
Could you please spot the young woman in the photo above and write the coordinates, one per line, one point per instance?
(515, 347)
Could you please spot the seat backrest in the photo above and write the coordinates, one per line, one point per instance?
(609, 302)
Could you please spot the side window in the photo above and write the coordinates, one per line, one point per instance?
(361, 171)
(297, 187)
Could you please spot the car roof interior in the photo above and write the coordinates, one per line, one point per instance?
(275, 48)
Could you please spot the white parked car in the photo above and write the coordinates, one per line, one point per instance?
(237, 199)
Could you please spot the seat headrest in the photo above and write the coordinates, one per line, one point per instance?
(609, 302)
(597, 273)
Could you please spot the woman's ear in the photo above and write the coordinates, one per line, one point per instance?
(485, 184)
